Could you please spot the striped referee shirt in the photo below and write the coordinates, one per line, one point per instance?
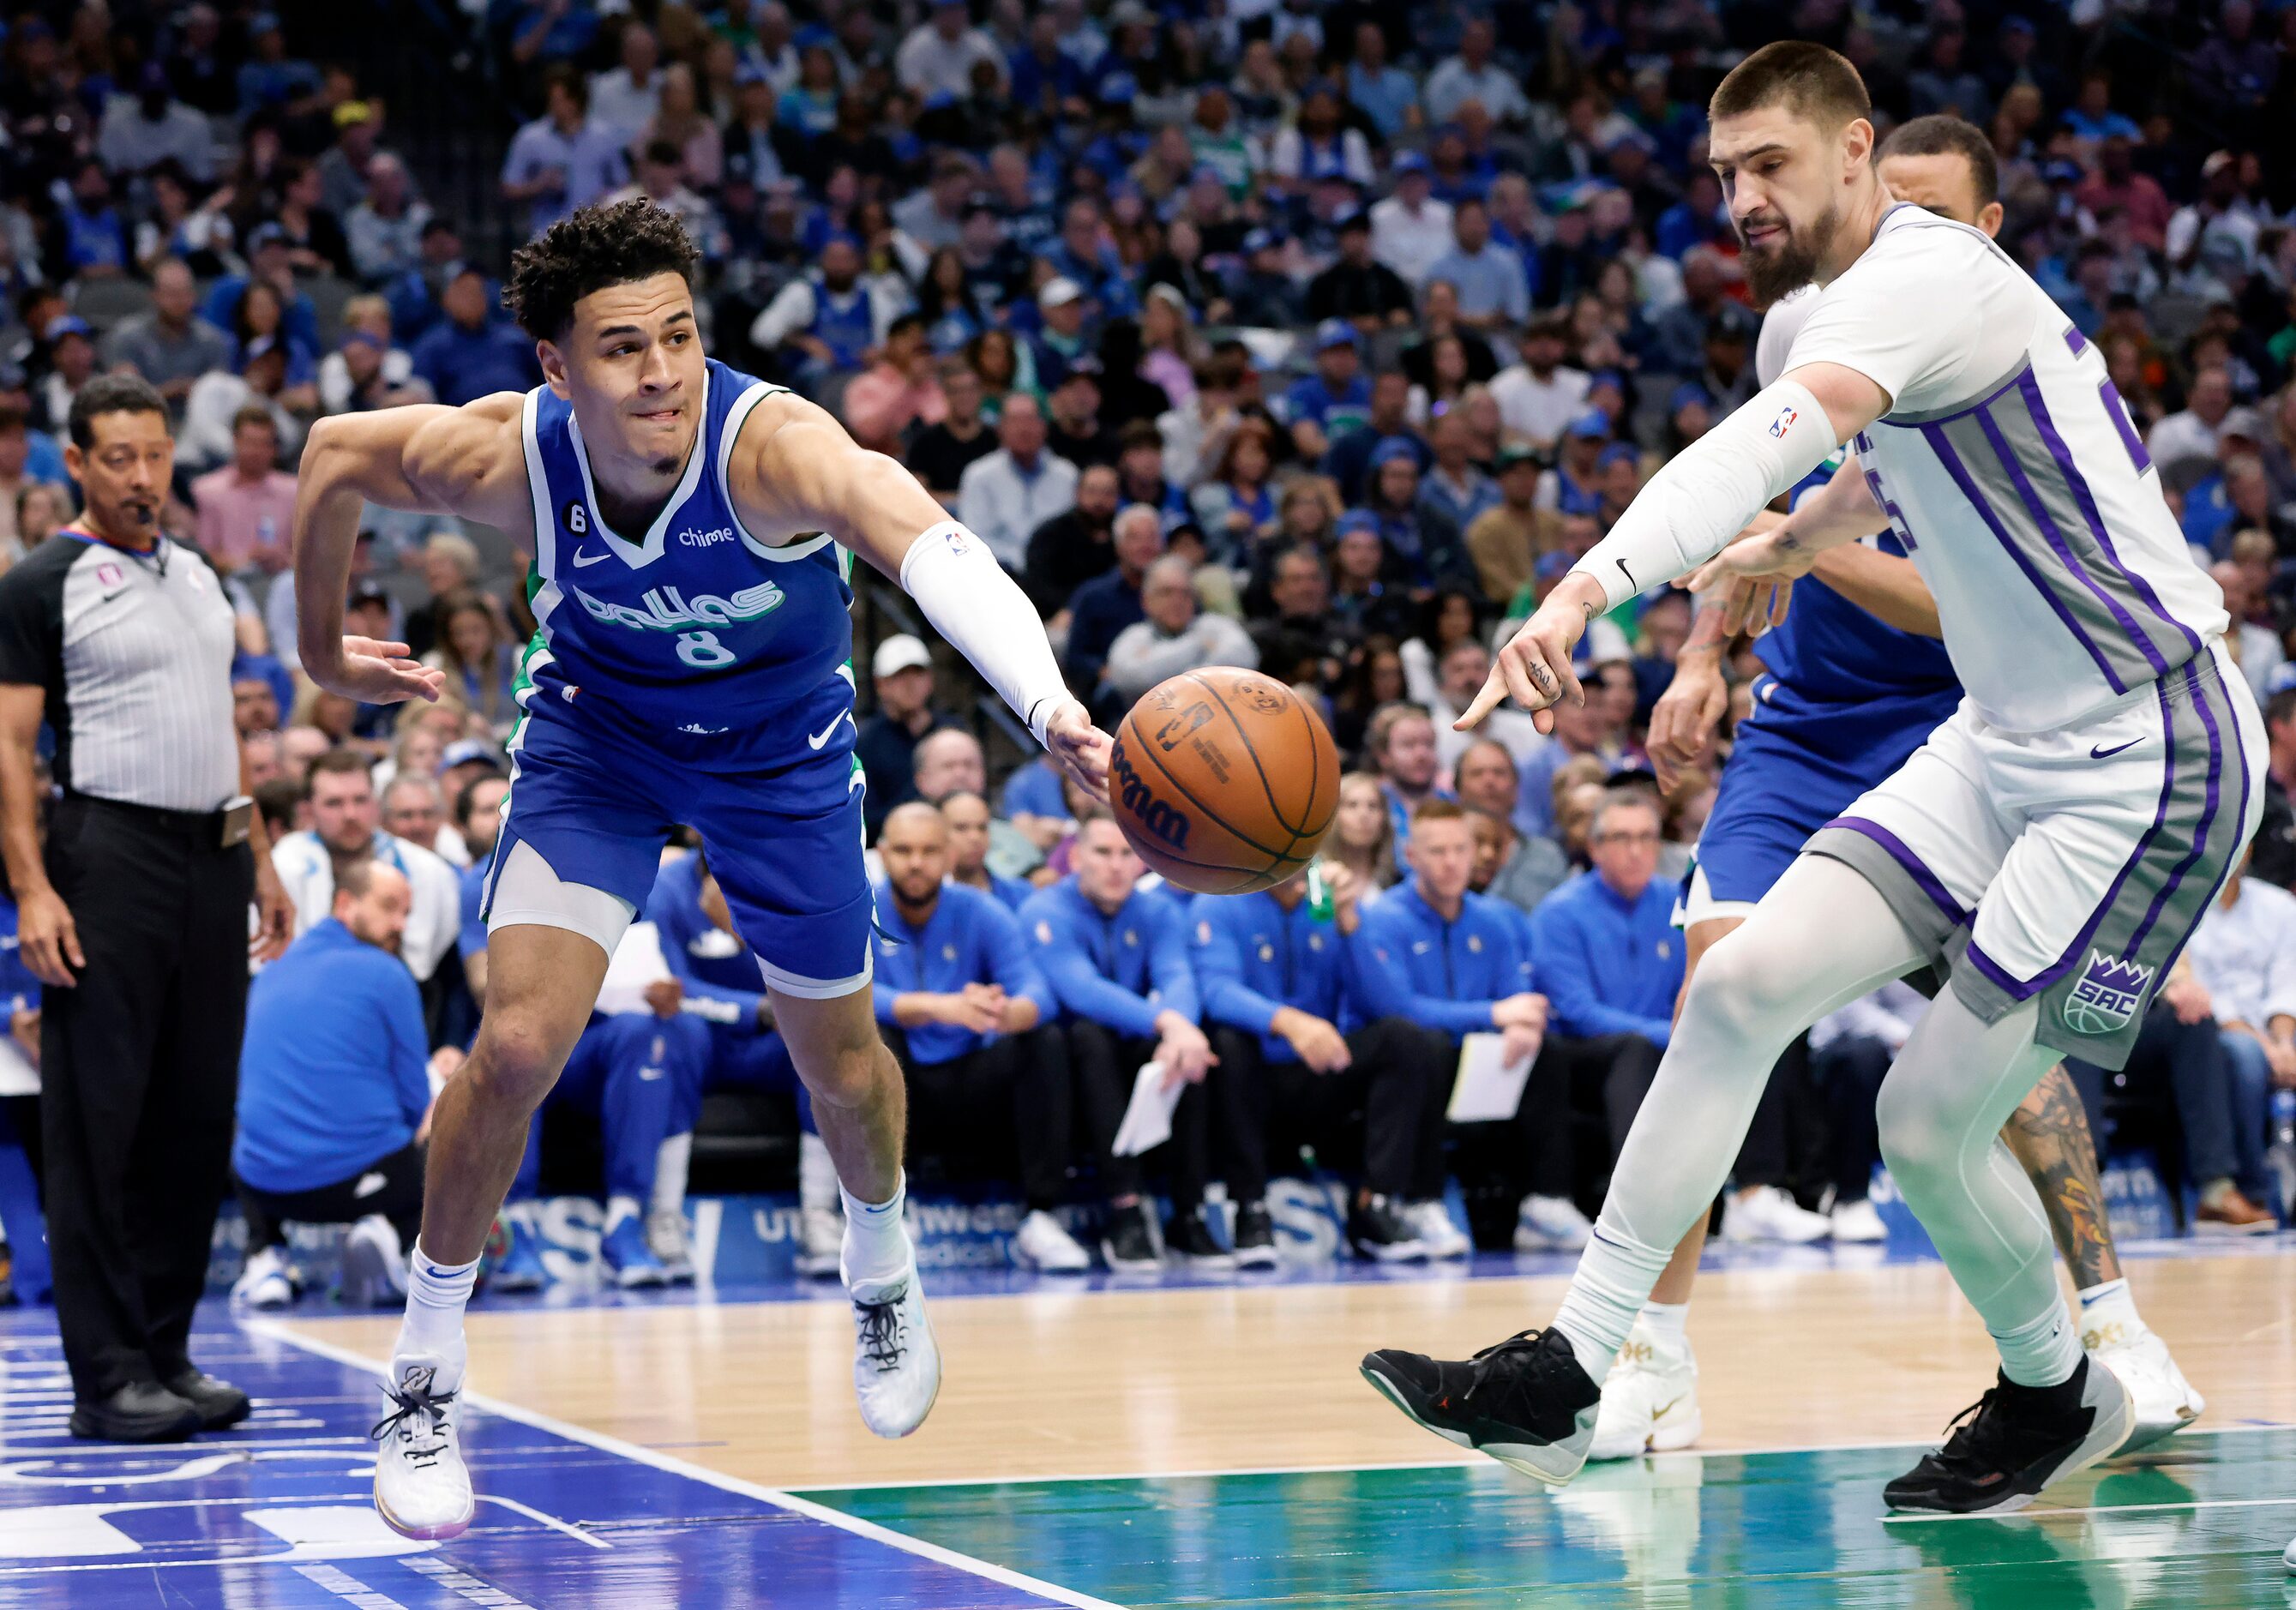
(134, 652)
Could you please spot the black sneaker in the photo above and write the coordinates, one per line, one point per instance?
(219, 1402)
(1378, 1230)
(1129, 1245)
(1191, 1239)
(2015, 1440)
(1526, 1403)
(1255, 1237)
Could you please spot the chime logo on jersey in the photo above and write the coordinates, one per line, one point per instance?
(2107, 995)
(668, 610)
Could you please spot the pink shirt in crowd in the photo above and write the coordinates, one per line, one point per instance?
(244, 522)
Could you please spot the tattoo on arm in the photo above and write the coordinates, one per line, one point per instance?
(2050, 1136)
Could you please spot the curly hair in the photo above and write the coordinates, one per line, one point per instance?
(588, 250)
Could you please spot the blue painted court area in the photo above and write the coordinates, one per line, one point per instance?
(275, 1513)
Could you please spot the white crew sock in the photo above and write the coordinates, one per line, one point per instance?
(876, 1246)
(2043, 1352)
(669, 1166)
(2108, 1304)
(1613, 1282)
(1666, 1322)
(435, 1295)
(816, 1175)
(618, 1208)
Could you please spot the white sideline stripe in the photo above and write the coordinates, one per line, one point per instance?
(2050, 1515)
(345, 1586)
(822, 1512)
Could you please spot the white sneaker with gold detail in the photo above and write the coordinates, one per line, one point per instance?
(1649, 1398)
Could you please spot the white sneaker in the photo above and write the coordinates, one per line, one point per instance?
(1550, 1224)
(1650, 1400)
(267, 1282)
(1437, 1234)
(666, 1236)
(421, 1487)
(1858, 1222)
(375, 1265)
(1043, 1245)
(2288, 1559)
(1769, 1212)
(2160, 1400)
(820, 1241)
(895, 1362)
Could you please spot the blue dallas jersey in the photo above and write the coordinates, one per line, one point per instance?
(1119, 968)
(694, 639)
(1252, 958)
(970, 939)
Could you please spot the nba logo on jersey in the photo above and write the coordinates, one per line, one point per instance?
(2107, 996)
(1784, 420)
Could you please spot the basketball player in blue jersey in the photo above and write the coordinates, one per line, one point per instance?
(1856, 681)
(2052, 845)
(691, 528)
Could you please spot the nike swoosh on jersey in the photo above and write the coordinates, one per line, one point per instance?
(581, 559)
(816, 739)
(2098, 752)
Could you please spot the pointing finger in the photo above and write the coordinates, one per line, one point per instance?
(1493, 691)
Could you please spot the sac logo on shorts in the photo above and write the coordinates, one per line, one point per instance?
(2107, 995)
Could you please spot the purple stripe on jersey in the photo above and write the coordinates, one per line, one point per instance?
(2074, 340)
(1999, 975)
(2198, 696)
(2055, 537)
(1943, 447)
(1926, 881)
(2082, 497)
(1987, 401)
(2232, 862)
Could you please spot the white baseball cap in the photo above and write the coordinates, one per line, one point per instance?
(897, 653)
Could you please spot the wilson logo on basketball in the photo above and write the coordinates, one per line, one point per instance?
(1158, 816)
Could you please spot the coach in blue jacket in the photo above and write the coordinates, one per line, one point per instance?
(1117, 959)
(1300, 1052)
(1611, 960)
(969, 1016)
(1461, 963)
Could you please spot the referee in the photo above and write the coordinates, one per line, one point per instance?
(135, 917)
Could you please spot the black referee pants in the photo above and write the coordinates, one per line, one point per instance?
(1003, 1102)
(139, 1070)
(1386, 1106)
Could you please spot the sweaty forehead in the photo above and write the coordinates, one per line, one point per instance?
(647, 303)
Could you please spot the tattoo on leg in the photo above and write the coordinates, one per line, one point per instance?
(2050, 1136)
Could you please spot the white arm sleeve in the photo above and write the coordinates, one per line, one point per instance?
(1707, 492)
(985, 615)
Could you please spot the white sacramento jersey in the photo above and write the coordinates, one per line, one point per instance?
(2010, 472)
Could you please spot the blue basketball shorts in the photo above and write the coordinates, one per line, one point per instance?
(589, 814)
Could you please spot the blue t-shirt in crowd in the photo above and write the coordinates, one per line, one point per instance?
(1252, 958)
(463, 364)
(970, 939)
(1607, 965)
(333, 1073)
(1121, 968)
(1445, 973)
(1035, 791)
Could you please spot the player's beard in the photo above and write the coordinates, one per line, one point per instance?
(1779, 271)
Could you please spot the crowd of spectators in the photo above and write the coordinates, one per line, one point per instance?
(1317, 337)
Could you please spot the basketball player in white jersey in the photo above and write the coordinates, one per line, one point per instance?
(2052, 845)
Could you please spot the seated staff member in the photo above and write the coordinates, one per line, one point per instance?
(970, 1017)
(1459, 963)
(967, 816)
(1117, 959)
(334, 1089)
(1300, 1053)
(728, 1025)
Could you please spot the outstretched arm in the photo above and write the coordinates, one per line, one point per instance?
(797, 471)
(425, 458)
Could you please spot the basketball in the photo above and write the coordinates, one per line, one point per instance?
(1224, 781)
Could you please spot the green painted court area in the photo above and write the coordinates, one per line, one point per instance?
(2197, 1524)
